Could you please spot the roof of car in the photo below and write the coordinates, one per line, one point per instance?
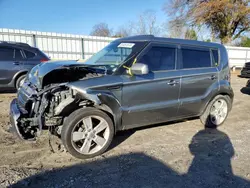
(16, 44)
(152, 38)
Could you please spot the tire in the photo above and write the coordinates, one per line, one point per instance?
(77, 136)
(208, 119)
(20, 81)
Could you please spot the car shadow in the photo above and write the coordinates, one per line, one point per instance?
(7, 90)
(245, 90)
(211, 167)
(121, 136)
(240, 76)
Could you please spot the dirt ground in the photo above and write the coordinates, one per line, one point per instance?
(182, 154)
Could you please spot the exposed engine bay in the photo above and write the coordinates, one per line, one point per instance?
(48, 106)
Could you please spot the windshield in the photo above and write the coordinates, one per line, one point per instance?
(116, 53)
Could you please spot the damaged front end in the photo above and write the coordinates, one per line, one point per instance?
(36, 109)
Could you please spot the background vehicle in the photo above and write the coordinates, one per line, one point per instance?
(16, 59)
(133, 82)
(245, 72)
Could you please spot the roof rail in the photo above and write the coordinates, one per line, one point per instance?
(17, 43)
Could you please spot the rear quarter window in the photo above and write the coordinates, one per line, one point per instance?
(215, 57)
(40, 54)
(195, 58)
(29, 54)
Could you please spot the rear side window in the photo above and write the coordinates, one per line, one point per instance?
(29, 54)
(17, 54)
(160, 58)
(195, 58)
(6, 53)
(215, 57)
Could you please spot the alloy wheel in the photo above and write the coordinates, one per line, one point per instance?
(90, 135)
(218, 111)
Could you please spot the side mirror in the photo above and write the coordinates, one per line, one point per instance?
(139, 69)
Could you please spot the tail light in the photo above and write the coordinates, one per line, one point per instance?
(43, 60)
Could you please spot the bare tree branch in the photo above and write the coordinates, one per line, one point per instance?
(146, 24)
(226, 18)
(102, 30)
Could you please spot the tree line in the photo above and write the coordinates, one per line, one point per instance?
(225, 21)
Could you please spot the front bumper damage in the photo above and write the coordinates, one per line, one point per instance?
(35, 111)
(32, 111)
(18, 119)
(15, 114)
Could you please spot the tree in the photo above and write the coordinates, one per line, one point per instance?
(101, 29)
(124, 31)
(191, 34)
(121, 32)
(227, 19)
(175, 28)
(207, 40)
(146, 24)
(244, 42)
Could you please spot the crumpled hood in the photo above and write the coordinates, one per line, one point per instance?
(57, 72)
(44, 68)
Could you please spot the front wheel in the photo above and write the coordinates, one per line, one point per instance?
(87, 132)
(216, 111)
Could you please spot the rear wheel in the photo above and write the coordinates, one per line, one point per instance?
(216, 111)
(20, 81)
(87, 133)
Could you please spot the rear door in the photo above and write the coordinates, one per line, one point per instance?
(199, 76)
(152, 98)
(11, 62)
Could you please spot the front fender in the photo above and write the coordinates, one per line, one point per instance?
(110, 102)
(103, 100)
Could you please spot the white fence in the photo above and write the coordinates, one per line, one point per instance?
(57, 45)
(238, 56)
(67, 46)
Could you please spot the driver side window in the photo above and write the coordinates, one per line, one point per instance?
(160, 58)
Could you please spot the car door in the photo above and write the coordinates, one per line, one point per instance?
(11, 62)
(152, 98)
(199, 75)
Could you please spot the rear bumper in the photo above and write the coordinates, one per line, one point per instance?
(15, 115)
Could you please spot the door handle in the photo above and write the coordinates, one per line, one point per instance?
(172, 82)
(16, 63)
(213, 77)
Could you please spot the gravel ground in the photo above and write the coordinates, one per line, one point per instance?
(182, 154)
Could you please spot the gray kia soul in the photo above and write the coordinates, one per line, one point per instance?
(132, 82)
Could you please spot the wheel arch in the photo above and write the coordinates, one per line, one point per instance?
(223, 92)
(106, 102)
(18, 74)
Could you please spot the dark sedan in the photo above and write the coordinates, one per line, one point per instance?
(245, 72)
